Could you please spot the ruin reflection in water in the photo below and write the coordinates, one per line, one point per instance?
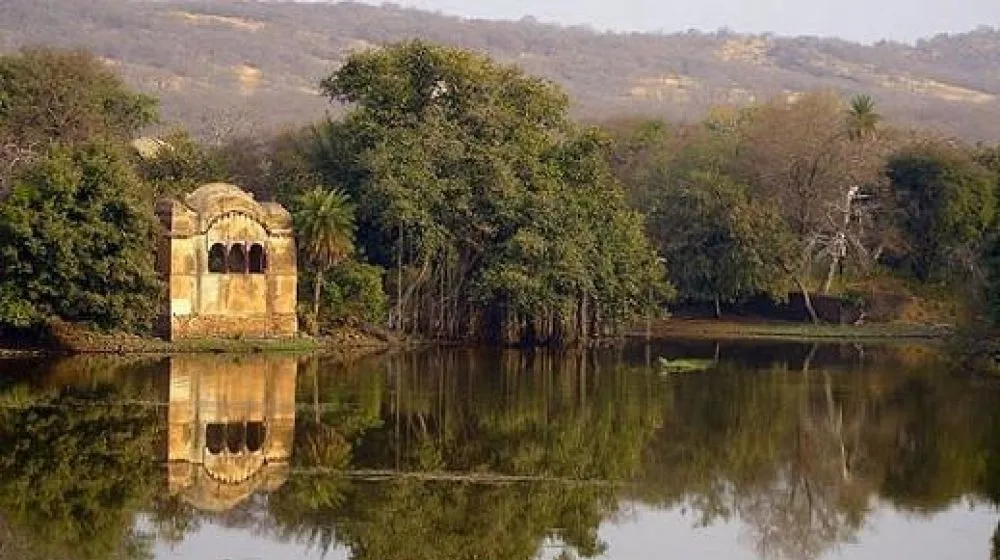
(774, 450)
(230, 425)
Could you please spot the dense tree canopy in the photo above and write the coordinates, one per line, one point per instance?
(51, 96)
(481, 210)
(76, 224)
(843, 201)
(78, 241)
(495, 216)
(719, 243)
(946, 202)
(59, 96)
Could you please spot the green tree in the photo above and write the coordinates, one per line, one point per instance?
(354, 293)
(946, 202)
(862, 118)
(719, 242)
(50, 96)
(720, 245)
(77, 231)
(801, 157)
(493, 215)
(325, 227)
(176, 164)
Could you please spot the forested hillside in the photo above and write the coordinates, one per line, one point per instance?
(223, 64)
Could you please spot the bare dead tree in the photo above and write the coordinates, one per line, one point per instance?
(802, 155)
(12, 157)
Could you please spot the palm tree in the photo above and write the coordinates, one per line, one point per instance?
(862, 120)
(325, 226)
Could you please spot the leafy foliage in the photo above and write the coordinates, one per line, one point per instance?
(354, 293)
(64, 96)
(324, 221)
(472, 185)
(753, 200)
(51, 96)
(325, 225)
(77, 231)
(719, 243)
(947, 202)
(74, 476)
(862, 119)
(176, 165)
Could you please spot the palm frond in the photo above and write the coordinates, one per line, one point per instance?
(325, 225)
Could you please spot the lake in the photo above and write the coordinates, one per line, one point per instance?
(669, 450)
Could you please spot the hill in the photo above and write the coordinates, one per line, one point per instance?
(220, 65)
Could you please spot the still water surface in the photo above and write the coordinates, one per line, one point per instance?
(762, 451)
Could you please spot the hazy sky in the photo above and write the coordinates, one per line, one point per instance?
(861, 20)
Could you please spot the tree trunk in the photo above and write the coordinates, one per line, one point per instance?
(808, 301)
(317, 289)
(442, 295)
(415, 285)
(718, 307)
(834, 261)
(399, 283)
(840, 248)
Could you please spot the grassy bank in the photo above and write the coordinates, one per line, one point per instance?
(727, 329)
(68, 339)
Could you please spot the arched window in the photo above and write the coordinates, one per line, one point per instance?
(256, 432)
(237, 259)
(235, 437)
(258, 261)
(215, 438)
(217, 258)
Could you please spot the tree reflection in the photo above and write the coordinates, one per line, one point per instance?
(77, 466)
(427, 520)
(798, 450)
(492, 454)
(470, 419)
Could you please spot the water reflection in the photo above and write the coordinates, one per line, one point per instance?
(479, 454)
(230, 425)
(77, 466)
(803, 451)
(487, 455)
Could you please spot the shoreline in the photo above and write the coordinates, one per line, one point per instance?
(729, 329)
(351, 344)
(345, 343)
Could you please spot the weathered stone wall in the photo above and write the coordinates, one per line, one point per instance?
(202, 303)
(228, 326)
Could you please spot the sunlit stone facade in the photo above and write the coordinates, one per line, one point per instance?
(229, 265)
